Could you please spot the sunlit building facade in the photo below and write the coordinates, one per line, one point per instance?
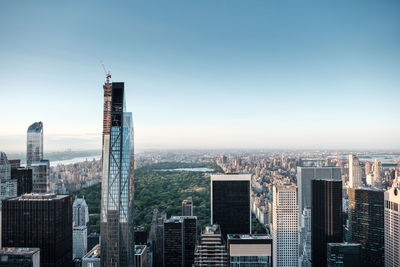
(392, 226)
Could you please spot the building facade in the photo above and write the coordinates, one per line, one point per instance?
(231, 203)
(326, 218)
(355, 172)
(285, 216)
(79, 242)
(392, 225)
(180, 234)
(40, 176)
(140, 256)
(187, 207)
(210, 249)
(157, 237)
(250, 250)
(80, 212)
(344, 255)
(8, 186)
(116, 219)
(92, 258)
(24, 178)
(41, 221)
(366, 224)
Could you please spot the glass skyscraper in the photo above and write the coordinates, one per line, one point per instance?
(34, 143)
(116, 225)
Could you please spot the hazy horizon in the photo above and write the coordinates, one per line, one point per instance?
(204, 75)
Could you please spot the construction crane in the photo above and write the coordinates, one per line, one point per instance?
(107, 73)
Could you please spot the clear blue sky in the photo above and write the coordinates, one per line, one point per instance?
(204, 74)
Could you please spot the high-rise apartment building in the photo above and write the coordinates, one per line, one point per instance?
(19, 257)
(211, 250)
(230, 203)
(377, 172)
(304, 177)
(180, 234)
(355, 172)
(344, 255)
(366, 224)
(41, 221)
(34, 144)
(116, 219)
(250, 250)
(326, 218)
(392, 226)
(157, 237)
(285, 226)
(187, 207)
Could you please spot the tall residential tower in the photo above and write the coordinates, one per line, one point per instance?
(116, 219)
(355, 172)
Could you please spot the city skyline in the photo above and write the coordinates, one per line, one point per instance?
(205, 75)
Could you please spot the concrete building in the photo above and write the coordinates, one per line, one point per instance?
(80, 212)
(211, 250)
(79, 239)
(285, 226)
(250, 250)
(19, 257)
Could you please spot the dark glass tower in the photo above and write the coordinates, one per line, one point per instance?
(41, 221)
(326, 218)
(230, 203)
(366, 224)
(344, 255)
(116, 225)
(24, 180)
(180, 234)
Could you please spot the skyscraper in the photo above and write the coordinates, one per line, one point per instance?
(377, 173)
(355, 173)
(366, 224)
(34, 147)
(180, 234)
(211, 250)
(116, 219)
(8, 187)
(19, 257)
(80, 212)
(23, 176)
(80, 219)
(156, 236)
(392, 225)
(41, 221)
(79, 242)
(230, 203)
(304, 177)
(40, 179)
(187, 207)
(250, 250)
(285, 226)
(326, 218)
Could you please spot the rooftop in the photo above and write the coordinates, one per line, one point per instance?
(36, 127)
(248, 237)
(230, 177)
(39, 196)
(19, 251)
(139, 249)
(344, 244)
(94, 253)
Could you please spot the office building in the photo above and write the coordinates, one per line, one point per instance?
(326, 218)
(24, 178)
(140, 235)
(355, 172)
(250, 250)
(377, 172)
(211, 250)
(15, 163)
(19, 257)
(285, 226)
(344, 255)
(304, 177)
(392, 225)
(230, 203)
(157, 237)
(116, 218)
(141, 255)
(187, 207)
(80, 212)
(40, 176)
(180, 233)
(92, 258)
(366, 224)
(79, 239)
(34, 143)
(41, 221)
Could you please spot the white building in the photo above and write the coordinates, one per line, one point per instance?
(370, 179)
(285, 226)
(392, 226)
(79, 242)
(355, 173)
(80, 212)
